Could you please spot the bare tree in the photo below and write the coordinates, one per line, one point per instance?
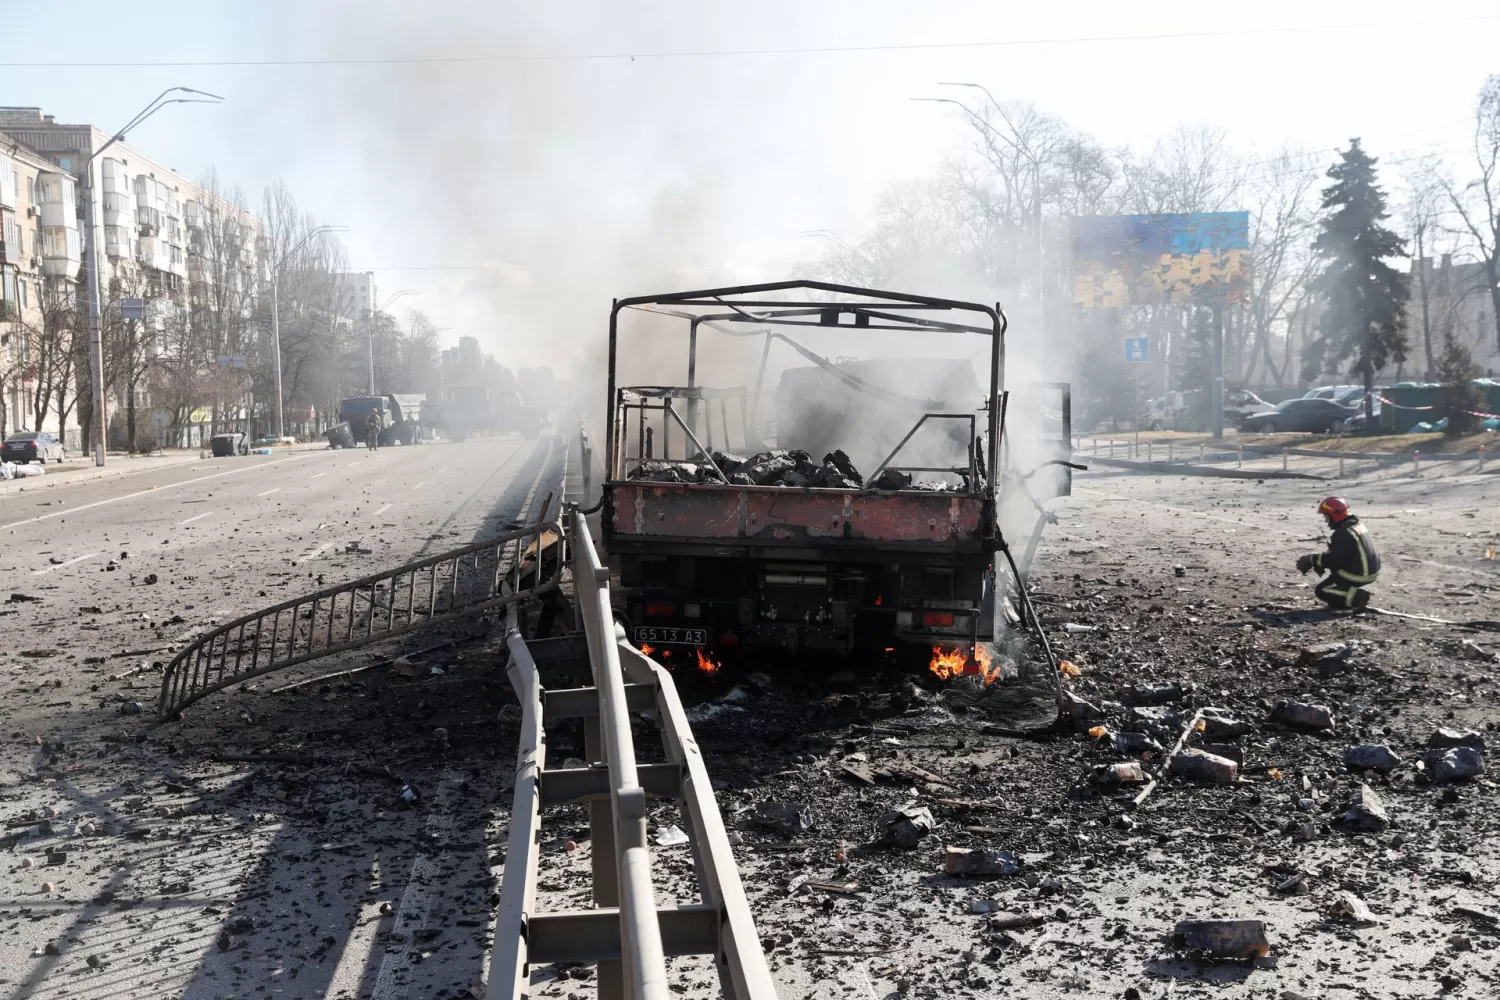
(1477, 202)
(1282, 224)
(56, 347)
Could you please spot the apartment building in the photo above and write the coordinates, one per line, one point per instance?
(1457, 301)
(161, 237)
(40, 252)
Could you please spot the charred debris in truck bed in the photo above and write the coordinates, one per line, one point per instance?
(782, 467)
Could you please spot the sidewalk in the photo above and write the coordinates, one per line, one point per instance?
(118, 465)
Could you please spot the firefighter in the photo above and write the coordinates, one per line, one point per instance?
(372, 430)
(1351, 561)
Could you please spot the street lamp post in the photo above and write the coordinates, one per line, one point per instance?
(276, 267)
(91, 254)
(371, 331)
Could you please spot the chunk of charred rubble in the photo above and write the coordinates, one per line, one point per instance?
(768, 469)
(1218, 725)
(829, 477)
(794, 478)
(1083, 713)
(1157, 719)
(984, 864)
(1303, 715)
(1323, 652)
(1124, 773)
(1151, 694)
(740, 479)
(786, 817)
(1372, 757)
(1223, 938)
(728, 462)
(905, 827)
(1445, 737)
(1366, 812)
(839, 461)
(891, 479)
(1457, 764)
(1205, 766)
(1134, 744)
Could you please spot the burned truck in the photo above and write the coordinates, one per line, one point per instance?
(863, 514)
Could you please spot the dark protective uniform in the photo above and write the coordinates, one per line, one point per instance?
(1351, 563)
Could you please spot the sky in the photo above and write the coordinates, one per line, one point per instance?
(519, 165)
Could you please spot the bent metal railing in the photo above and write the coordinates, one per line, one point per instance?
(346, 616)
(627, 932)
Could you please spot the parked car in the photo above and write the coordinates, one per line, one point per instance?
(1309, 415)
(31, 446)
(1187, 411)
(1346, 394)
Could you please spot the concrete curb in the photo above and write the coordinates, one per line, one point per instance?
(1173, 469)
(125, 467)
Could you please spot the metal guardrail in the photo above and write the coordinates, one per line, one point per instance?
(626, 933)
(349, 615)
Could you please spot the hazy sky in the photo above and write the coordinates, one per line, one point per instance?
(516, 158)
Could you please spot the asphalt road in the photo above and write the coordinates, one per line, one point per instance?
(126, 889)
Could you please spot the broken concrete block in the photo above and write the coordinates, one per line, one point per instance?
(1458, 764)
(1374, 757)
(1323, 652)
(1219, 725)
(1126, 773)
(1366, 812)
(1444, 738)
(1194, 763)
(1302, 714)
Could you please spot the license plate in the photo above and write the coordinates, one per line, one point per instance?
(687, 636)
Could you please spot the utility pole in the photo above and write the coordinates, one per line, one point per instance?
(91, 255)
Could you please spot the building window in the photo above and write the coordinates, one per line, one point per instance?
(52, 190)
(54, 241)
(21, 294)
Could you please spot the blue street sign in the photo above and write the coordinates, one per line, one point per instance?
(132, 308)
(1137, 349)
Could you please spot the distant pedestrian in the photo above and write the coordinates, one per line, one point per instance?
(372, 430)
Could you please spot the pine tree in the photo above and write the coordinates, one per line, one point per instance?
(1195, 372)
(1364, 297)
(1455, 370)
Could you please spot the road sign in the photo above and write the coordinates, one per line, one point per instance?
(231, 361)
(132, 308)
(1137, 349)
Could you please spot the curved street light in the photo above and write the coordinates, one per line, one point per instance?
(91, 254)
(276, 267)
(371, 330)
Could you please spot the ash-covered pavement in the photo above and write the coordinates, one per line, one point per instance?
(310, 876)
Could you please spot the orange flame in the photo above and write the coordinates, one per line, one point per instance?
(706, 662)
(951, 663)
(647, 648)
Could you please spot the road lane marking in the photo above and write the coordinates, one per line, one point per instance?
(383, 510)
(154, 489)
(197, 517)
(420, 485)
(317, 475)
(274, 489)
(314, 553)
(48, 569)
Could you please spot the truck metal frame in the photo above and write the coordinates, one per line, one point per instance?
(710, 563)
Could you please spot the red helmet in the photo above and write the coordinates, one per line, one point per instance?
(1334, 508)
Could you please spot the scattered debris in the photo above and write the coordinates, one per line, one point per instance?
(1443, 738)
(1351, 909)
(1224, 938)
(790, 818)
(961, 861)
(671, 836)
(905, 827)
(1127, 773)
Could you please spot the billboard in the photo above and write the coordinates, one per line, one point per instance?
(1132, 260)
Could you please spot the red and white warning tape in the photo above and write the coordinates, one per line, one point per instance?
(1398, 406)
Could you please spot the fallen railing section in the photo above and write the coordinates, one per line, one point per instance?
(626, 933)
(346, 616)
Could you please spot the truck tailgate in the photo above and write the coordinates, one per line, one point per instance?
(771, 515)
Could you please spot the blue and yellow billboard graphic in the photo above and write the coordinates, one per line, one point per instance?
(1132, 260)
